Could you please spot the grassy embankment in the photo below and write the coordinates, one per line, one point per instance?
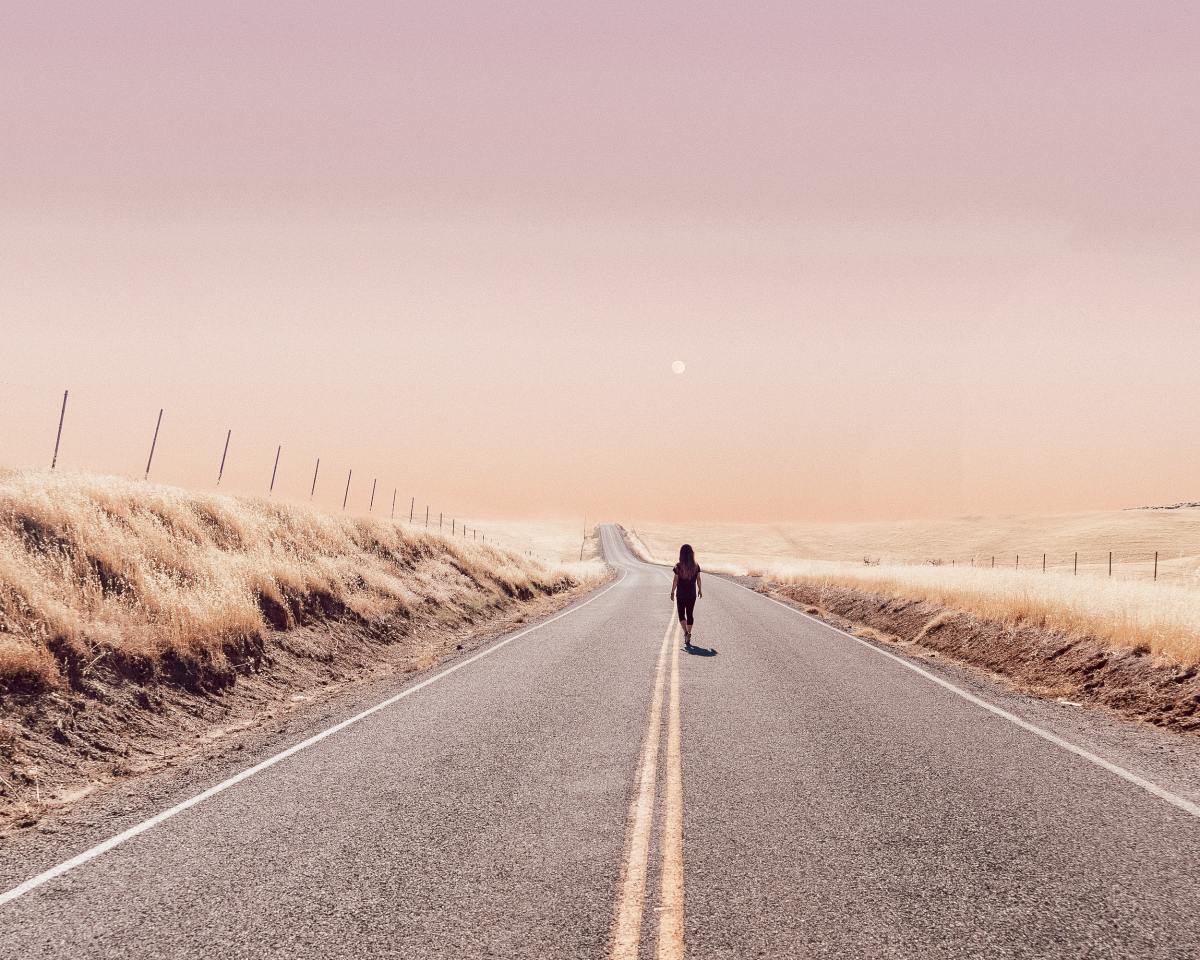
(126, 607)
(163, 581)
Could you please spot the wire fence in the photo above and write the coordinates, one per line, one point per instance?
(422, 516)
(1117, 564)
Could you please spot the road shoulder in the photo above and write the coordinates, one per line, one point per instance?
(1165, 757)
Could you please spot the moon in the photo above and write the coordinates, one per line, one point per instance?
(679, 366)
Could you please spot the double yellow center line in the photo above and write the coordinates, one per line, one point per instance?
(631, 897)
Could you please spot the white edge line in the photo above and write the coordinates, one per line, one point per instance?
(102, 848)
(1174, 799)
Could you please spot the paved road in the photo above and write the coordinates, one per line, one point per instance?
(586, 790)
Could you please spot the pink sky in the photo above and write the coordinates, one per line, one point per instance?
(920, 259)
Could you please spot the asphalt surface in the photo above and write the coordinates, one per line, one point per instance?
(834, 804)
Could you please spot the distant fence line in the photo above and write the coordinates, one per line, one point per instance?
(1046, 562)
(456, 529)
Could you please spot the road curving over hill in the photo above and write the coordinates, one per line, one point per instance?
(585, 788)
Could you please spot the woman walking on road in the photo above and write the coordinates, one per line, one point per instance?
(685, 589)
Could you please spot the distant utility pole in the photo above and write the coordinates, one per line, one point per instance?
(426, 516)
(439, 520)
(58, 437)
(411, 503)
(313, 492)
(394, 492)
(224, 454)
(275, 469)
(153, 444)
(346, 497)
(371, 508)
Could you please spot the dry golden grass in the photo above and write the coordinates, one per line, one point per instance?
(1161, 617)
(1127, 610)
(94, 567)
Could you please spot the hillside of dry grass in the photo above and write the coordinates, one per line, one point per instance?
(1160, 618)
(127, 608)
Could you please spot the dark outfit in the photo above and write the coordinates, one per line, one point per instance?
(685, 594)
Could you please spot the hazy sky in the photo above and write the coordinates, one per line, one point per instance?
(920, 259)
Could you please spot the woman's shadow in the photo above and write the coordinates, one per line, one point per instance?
(696, 651)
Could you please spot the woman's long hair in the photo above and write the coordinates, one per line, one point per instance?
(687, 558)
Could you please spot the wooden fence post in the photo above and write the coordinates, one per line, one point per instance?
(275, 469)
(1043, 563)
(224, 454)
(411, 503)
(153, 444)
(58, 436)
(1110, 563)
(1076, 571)
(346, 497)
(426, 515)
(316, 470)
(1155, 564)
(394, 492)
(371, 507)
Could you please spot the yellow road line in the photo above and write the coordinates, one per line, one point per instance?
(627, 923)
(670, 918)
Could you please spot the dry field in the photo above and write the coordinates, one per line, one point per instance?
(102, 572)
(948, 565)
